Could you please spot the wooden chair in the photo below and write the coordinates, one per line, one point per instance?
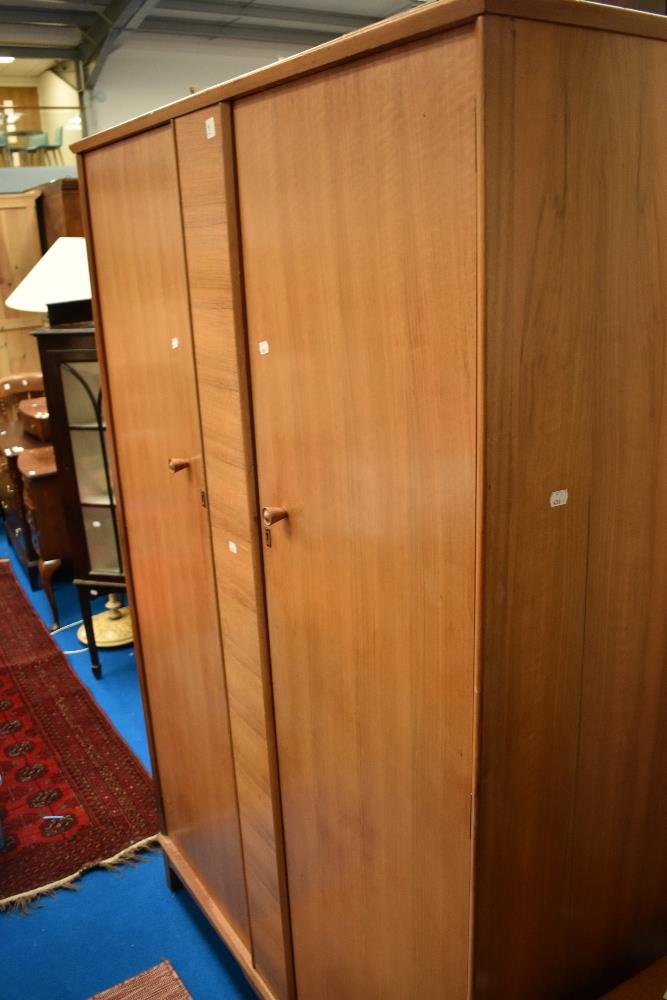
(29, 486)
(14, 388)
(13, 439)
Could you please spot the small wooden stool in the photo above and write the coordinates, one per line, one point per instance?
(651, 984)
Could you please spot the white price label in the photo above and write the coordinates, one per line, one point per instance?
(559, 498)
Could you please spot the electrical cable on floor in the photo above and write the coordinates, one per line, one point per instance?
(63, 627)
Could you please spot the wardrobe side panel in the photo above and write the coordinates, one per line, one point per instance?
(206, 168)
(136, 242)
(572, 866)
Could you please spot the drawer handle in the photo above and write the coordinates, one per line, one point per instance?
(178, 464)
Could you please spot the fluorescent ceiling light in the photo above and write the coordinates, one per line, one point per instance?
(7, 59)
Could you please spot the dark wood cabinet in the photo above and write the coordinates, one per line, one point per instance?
(59, 210)
(72, 387)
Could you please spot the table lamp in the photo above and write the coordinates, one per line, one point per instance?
(58, 284)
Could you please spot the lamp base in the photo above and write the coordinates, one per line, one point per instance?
(112, 628)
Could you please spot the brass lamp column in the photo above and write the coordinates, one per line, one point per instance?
(112, 627)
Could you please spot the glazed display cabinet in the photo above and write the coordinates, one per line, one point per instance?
(73, 390)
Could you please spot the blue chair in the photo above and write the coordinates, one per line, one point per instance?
(36, 147)
(55, 149)
(5, 150)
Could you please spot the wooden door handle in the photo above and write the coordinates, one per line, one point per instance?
(269, 517)
(272, 514)
(178, 464)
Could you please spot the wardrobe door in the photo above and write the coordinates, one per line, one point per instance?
(137, 244)
(208, 201)
(358, 215)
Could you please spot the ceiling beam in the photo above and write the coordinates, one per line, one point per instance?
(249, 32)
(208, 20)
(112, 20)
(90, 6)
(147, 6)
(38, 52)
(105, 35)
(66, 72)
(35, 15)
(304, 15)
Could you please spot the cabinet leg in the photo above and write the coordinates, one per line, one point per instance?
(87, 615)
(173, 881)
(47, 567)
(33, 572)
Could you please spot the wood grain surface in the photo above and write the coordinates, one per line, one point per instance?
(142, 306)
(100, 350)
(571, 866)
(358, 198)
(20, 249)
(18, 350)
(61, 209)
(188, 876)
(206, 167)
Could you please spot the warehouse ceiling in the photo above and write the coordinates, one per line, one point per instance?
(89, 30)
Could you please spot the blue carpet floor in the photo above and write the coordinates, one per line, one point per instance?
(76, 943)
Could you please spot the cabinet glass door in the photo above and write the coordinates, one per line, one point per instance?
(87, 430)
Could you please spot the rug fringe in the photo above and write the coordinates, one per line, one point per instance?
(131, 855)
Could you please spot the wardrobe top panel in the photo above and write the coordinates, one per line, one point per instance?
(413, 24)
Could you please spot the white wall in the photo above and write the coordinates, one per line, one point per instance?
(150, 70)
(54, 92)
(17, 81)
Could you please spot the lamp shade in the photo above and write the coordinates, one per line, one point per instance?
(60, 276)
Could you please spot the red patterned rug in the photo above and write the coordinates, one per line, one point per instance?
(73, 795)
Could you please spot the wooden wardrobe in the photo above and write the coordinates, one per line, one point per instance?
(407, 289)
